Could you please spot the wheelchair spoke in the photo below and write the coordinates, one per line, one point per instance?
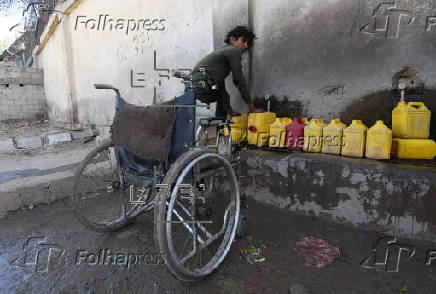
(198, 224)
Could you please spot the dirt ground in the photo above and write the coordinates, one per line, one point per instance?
(272, 230)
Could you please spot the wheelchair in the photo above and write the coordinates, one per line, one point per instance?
(195, 197)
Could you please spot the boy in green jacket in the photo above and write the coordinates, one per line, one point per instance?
(220, 63)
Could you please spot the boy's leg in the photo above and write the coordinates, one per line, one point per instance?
(220, 111)
(223, 106)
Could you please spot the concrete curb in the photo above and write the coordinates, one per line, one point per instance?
(10, 145)
(30, 196)
(7, 145)
(40, 178)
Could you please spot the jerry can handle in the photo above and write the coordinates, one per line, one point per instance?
(416, 104)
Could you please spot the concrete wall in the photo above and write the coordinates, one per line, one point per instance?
(53, 60)
(80, 52)
(394, 198)
(327, 58)
(21, 93)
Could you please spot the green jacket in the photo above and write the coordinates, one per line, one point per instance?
(220, 63)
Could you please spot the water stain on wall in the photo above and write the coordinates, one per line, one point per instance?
(283, 107)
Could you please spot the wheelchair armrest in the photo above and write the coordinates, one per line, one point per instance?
(214, 121)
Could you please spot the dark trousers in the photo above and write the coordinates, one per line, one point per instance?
(222, 98)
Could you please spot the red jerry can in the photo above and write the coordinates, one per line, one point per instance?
(295, 134)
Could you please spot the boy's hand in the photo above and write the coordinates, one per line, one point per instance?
(232, 114)
(251, 108)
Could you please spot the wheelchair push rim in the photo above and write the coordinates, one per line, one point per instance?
(196, 235)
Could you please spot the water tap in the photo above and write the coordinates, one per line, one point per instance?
(402, 87)
(267, 98)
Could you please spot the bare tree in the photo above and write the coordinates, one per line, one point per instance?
(6, 4)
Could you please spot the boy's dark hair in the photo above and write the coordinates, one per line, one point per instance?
(241, 31)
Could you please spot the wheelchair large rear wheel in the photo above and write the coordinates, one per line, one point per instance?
(196, 214)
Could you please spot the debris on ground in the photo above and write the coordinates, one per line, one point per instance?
(252, 255)
(316, 252)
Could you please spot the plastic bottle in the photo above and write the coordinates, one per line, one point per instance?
(354, 139)
(277, 132)
(239, 128)
(378, 141)
(332, 137)
(239, 132)
(321, 122)
(411, 121)
(295, 134)
(305, 120)
(413, 148)
(258, 128)
(313, 136)
(241, 119)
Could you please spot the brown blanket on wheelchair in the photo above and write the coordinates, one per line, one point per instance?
(144, 130)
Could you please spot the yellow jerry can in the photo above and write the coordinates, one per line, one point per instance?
(354, 139)
(239, 132)
(413, 148)
(277, 132)
(321, 122)
(305, 120)
(313, 136)
(378, 141)
(239, 128)
(411, 121)
(332, 137)
(241, 119)
(258, 128)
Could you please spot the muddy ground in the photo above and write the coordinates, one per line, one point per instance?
(273, 230)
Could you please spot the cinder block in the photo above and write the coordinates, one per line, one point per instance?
(86, 133)
(7, 145)
(58, 138)
(28, 142)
